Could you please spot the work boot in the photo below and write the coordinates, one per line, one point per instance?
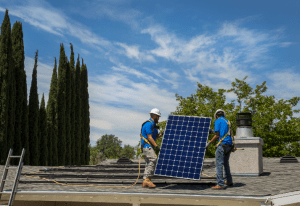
(218, 187)
(231, 184)
(147, 183)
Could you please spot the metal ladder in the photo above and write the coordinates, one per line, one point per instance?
(7, 166)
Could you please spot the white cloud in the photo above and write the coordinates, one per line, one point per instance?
(121, 68)
(118, 89)
(286, 44)
(120, 105)
(133, 52)
(118, 10)
(206, 57)
(285, 84)
(85, 51)
(167, 75)
(175, 49)
(44, 16)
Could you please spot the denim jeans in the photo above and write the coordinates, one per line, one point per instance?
(222, 160)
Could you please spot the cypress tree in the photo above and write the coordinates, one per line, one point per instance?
(18, 61)
(5, 75)
(87, 156)
(78, 113)
(67, 114)
(52, 119)
(61, 107)
(43, 135)
(73, 98)
(33, 117)
(25, 126)
(85, 114)
(11, 96)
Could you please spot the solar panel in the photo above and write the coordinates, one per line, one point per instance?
(183, 147)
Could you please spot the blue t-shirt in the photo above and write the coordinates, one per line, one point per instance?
(222, 127)
(147, 129)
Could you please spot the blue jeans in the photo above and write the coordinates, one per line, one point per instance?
(222, 160)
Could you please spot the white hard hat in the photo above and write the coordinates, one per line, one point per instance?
(219, 110)
(155, 111)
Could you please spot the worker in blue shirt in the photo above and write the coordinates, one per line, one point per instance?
(224, 147)
(149, 134)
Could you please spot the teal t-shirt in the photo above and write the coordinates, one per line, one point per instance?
(147, 129)
(222, 127)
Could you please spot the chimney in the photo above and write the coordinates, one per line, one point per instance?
(248, 161)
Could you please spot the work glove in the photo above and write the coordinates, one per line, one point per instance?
(207, 145)
(157, 148)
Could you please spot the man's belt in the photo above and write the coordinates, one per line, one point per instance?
(227, 145)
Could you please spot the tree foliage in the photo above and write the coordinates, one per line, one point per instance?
(43, 134)
(127, 151)
(73, 99)
(52, 119)
(18, 62)
(109, 147)
(269, 117)
(78, 114)
(33, 117)
(61, 107)
(85, 153)
(5, 70)
(273, 119)
(68, 113)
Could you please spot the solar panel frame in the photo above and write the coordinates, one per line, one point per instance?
(183, 147)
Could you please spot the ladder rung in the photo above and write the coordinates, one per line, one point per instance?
(14, 156)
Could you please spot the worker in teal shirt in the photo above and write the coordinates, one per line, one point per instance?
(223, 149)
(150, 133)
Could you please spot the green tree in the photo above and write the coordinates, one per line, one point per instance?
(34, 117)
(5, 71)
(127, 151)
(96, 157)
(43, 134)
(61, 107)
(73, 99)
(25, 126)
(78, 114)
(12, 96)
(52, 119)
(110, 146)
(68, 113)
(18, 61)
(270, 119)
(85, 115)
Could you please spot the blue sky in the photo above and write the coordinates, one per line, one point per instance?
(140, 53)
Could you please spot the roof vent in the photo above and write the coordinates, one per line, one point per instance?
(124, 160)
(288, 159)
(243, 119)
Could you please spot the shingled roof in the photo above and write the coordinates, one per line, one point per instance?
(276, 180)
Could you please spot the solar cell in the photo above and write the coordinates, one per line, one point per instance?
(183, 147)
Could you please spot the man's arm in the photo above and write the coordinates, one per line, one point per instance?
(217, 135)
(151, 140)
